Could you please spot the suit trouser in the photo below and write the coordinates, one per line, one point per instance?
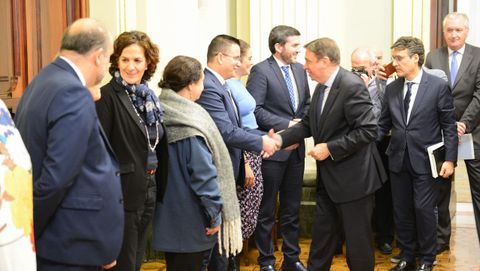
(217, 262)
(444, 228)
(414, 201)
(285, 178)
(184, 261)
(473, 170)
(47, 265)
(383, 210)
(356, 216)
(135, 232)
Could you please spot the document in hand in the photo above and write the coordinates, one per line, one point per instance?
(465, 147)
(436, 155)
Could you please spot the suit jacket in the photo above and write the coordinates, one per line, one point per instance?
(347, 124)
(466, 90)
(77, 195)
(216, 100)
(432, 113)
(274, 108)
(129, 141)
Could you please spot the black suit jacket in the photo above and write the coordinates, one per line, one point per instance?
(274, 108)
(347, 124)
(466, 90)
(129, 141)
(432, 113)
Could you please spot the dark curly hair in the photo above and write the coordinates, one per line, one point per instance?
(126, 39)
(180, 72)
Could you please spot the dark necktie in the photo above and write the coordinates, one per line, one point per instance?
(321, 95)
(406, 100)
(291, 90)
(453, 68)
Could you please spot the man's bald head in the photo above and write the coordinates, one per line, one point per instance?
(363, 55)
(84, 35)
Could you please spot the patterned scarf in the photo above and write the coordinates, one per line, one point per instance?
(144, 100)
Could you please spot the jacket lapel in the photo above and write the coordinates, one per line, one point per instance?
(127, 103)
(313, 114)
(281, 79)
(466, 59)
(329, 103)
(400, 100)
(422, 89)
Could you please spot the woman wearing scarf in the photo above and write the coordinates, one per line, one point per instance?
(200, 198)
(131, 116)
(249, 196)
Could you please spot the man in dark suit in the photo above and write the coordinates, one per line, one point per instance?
(223, 58)
(417, 109)
(461, 63)
(280, 88)
(349, 168)
(78, 213)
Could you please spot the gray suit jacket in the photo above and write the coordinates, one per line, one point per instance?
(466, 88)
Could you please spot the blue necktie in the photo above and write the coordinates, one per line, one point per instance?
(406, 100)
(291, 91)
(453, 68)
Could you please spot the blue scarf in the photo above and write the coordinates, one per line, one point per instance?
(144, 100)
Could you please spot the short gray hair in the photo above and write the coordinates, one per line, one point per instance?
(456, 15)
(325, 47)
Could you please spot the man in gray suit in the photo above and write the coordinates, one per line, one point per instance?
(461, 63)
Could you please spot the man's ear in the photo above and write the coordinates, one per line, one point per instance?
(97, 54)
(278, 47)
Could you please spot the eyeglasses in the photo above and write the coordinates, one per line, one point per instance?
(235, 58)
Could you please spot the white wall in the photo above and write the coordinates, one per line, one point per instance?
(177, 27)
(472, 9)
(350, 23)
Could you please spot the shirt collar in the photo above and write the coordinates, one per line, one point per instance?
(330, 80)
(461, 50)
(75, 69)
(417, 78)
(219, 77)
(279, 62)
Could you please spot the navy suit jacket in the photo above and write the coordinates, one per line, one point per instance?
(216, 100)
(432, 113)
(466, 90)
(78, 211)
(274, 109)
(348, 126)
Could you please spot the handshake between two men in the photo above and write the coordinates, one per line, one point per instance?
(272, 142)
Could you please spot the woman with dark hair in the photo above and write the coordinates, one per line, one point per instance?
(131, 116)
(249, 196)
(200, 196)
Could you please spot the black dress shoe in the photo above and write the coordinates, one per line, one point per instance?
(425, 267)
(404, 266)
(385, 248)
(298, 266)
(267, 268)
